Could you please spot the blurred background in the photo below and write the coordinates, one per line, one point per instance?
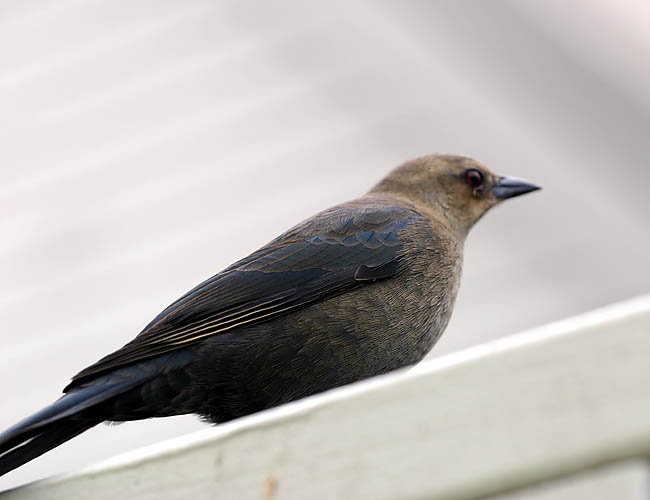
(145, 145)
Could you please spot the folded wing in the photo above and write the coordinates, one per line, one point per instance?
(339, 250)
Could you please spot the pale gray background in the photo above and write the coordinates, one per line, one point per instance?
(147, 144)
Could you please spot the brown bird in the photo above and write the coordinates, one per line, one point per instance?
(355, 291)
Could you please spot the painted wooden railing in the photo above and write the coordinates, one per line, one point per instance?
(559, 412)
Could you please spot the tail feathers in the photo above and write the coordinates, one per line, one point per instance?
(49, 438)
(56, 423)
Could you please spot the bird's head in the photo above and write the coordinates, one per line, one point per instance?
(453, 189)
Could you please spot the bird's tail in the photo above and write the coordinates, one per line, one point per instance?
(42, 442)
(64, 419)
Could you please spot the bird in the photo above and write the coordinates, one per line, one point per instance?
(357, 290)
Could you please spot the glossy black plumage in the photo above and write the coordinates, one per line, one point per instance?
(357, 290)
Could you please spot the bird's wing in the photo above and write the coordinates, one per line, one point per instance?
(339, 249)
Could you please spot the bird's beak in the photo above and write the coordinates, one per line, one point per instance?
(508, 187)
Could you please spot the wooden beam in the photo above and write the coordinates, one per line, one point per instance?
(544, 404)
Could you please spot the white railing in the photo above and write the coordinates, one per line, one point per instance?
(570, 400)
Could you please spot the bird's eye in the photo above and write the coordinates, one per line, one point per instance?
(474, 178)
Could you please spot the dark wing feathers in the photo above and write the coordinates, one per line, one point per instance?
(308, 263)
